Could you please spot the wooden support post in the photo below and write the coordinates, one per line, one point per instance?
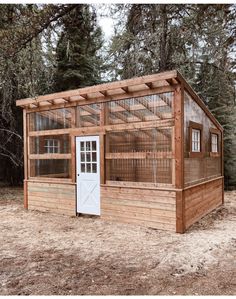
(222, 165)
(179, 157)
(180, 212)
(73, 159)
(25, 194)
(104, 120)
(25, 133)
(72, 144)
(73, 117)
(102, 158)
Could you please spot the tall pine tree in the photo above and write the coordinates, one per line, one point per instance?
(78, 59)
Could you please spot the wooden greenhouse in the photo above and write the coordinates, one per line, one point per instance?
(145, 151)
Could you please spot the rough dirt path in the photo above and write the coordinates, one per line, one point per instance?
(44, 254)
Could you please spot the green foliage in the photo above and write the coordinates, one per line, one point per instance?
(47, 48)
(199, 41)
(78, 59)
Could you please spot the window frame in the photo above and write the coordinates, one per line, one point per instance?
(214, 131)
(53, 146)
(195, 126)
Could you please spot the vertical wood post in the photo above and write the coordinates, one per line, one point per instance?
(25, 134)
(72, 144)
(103, 140)
(179, 157)
(73, 159)
(222, 165)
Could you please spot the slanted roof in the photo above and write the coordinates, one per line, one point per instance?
(151, 84)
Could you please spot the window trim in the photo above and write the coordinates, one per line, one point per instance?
(215, 132)
(195, 126)
(53, 146)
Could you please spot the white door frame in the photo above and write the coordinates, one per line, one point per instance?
(88, 175)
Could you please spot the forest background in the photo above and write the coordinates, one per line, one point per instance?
(47, 48)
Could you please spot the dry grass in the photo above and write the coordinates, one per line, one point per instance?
(44, 254)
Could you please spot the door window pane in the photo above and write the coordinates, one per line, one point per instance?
(94, 168)
(94, 145)
(88, 167)
(94, 157)
(82, 145)
(87, 145)
(88, 157)
(82, 157)
(82, 167)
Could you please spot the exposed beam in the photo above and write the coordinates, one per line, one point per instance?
(101, 87)
(172, 81)
(126, 89)
(66, 99)
(149, 85)
(108, 98)
(85, 96)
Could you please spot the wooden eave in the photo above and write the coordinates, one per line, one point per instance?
(97, 93)
(135, 87)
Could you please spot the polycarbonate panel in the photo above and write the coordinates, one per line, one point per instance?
(205, 167)
(59, 168)
(139, 156)
(88, 115)
(146, 108)
(51, 119)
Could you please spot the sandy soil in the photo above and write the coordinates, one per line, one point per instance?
(43, 254)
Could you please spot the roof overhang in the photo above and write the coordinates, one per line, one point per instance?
(98, 92)
(151, 84)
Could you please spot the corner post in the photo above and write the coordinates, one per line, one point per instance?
(25, 134)
(179, 157)
(222, 165)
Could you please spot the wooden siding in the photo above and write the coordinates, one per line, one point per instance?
(202, 199)
(152, 208)
(51, 197)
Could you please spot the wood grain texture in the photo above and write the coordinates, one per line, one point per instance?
(151, 208)
(51, 197)
(202, 199)
(179, 137)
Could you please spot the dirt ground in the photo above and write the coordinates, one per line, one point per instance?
(44, 254)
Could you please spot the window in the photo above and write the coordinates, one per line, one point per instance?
(88, 156)
(195, 140)
(52, 146)
(214, 143)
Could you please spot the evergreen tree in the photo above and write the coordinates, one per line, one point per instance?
(22, 75)
(198, 40)
(78, 57)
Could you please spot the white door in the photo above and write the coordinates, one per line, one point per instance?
(88, 175)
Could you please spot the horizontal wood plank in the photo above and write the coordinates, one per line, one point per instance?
(51, 197)
(202, 199)
(153, 208)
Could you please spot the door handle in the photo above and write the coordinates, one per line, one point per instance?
(78, 174)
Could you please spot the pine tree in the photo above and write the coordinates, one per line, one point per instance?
(78, 58)
(197, 40)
